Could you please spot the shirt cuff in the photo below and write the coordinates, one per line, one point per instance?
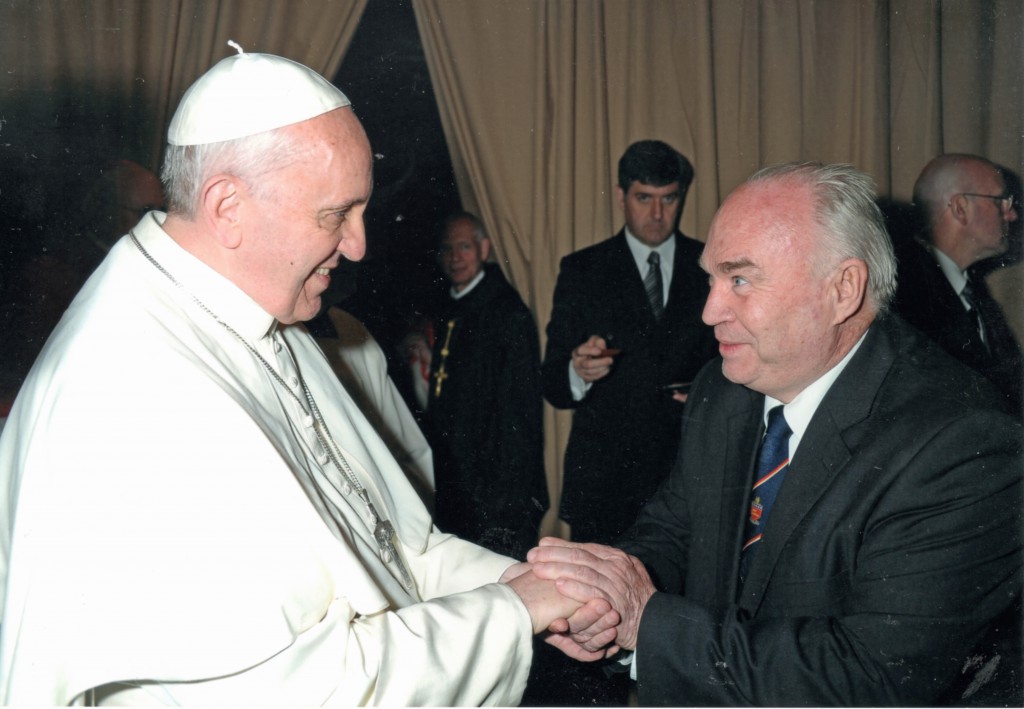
(626, 659)
(577, 386)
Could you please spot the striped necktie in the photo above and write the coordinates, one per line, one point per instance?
(653, 286)
(971, 294)
(772, 463)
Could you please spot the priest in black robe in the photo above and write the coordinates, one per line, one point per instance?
(485, 405)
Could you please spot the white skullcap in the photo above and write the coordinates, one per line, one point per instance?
(247, 94)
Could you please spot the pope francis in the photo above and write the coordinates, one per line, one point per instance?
(192, 509)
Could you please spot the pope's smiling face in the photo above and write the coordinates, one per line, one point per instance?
(309, 216)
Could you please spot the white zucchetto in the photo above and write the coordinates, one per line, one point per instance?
(247, 94)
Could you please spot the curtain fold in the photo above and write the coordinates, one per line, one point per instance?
(113, 71)
(538, 101)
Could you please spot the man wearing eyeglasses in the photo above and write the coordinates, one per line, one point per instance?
(966, 209)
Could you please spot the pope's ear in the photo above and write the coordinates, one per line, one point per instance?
(221, 202)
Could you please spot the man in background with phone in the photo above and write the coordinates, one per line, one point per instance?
(624, 327)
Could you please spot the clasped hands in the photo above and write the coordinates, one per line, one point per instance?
(588, 598)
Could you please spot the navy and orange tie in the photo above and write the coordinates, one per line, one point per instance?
(772, 462)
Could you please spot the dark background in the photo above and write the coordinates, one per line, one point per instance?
(385, 75)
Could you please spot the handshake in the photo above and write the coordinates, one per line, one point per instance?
(588, 598)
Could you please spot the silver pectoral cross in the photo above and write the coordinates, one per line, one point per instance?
(384, 535)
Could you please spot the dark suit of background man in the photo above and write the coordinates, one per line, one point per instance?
(625, 427)
(485, 405)
(967, 210)
(895, 541)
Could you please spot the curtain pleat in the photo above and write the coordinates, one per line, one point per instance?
(89, 67)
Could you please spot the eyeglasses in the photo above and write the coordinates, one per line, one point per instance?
(1005, 201)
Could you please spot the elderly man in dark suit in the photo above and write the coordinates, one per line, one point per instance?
(859, 554)
(967, 210)
(624, 329)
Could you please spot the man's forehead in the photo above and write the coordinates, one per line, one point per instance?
(637, 186)
(754, 220)
(988, 177)
(459, 232)
(727, 251)
(739, 262)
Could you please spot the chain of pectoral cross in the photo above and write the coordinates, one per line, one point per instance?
(383, 531)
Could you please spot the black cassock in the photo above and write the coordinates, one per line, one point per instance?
(485, 416)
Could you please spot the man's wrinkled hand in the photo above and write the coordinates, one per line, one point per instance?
(586, 571)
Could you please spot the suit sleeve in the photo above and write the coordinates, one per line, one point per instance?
(936, 561)
(563, 335)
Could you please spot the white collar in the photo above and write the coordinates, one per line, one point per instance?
(469, 286)
(666, 251)
(801, 409)
(227, 301)
(952, 272)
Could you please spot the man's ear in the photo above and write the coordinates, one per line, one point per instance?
(621, 197)
(221, 201)
(849, 288)
(958, 208)
(485, 248)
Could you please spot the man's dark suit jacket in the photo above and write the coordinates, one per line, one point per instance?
(625, 430)
(926, 300)
(894, 542)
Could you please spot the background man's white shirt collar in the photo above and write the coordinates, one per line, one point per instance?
(666, 250)
(953, 274)
(469, 286)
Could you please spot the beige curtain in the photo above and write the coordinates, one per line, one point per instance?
(539, 99)
(74, 67)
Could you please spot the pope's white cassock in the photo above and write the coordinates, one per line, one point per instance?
(173, 529)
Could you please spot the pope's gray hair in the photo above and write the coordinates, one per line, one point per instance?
(852, 225)
(186, 168)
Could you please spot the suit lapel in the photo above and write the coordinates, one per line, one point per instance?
(822, 454)
(1001, 343)
(959, 324)
(681, 289)
(622, 271)
(743, 429)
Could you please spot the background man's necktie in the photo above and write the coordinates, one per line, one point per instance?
(772, 462)
(971, 293)
(652, 282)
